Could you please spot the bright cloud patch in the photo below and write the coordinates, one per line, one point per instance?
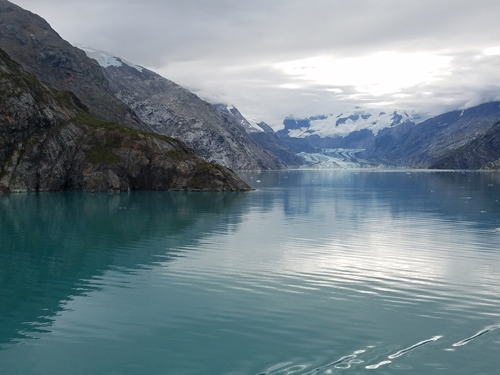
(377, 74)
(493, 51)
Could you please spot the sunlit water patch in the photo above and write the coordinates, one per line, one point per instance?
(315, 272)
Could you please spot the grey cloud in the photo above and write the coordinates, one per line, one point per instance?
(224, 49)
(185, 30)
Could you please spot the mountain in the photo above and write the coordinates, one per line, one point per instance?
(171, 110)
(462, 139)
(264, 136)
(48, 141)
(424, 144)
(481, 153)
(350, 130)
(29, 40)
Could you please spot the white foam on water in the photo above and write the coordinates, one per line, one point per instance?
(413, 347)
(473, 337)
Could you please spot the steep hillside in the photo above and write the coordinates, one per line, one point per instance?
(171, 110)
(30, 41)
(423, 144)
(481, 153)
(49, 142)
(264, 136)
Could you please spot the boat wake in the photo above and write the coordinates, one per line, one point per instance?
(353, 359)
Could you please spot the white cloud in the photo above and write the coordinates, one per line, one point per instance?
(377, 74)
(492, 51)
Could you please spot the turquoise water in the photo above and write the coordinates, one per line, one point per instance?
(315, 272)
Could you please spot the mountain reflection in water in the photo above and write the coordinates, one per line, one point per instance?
(315, 272)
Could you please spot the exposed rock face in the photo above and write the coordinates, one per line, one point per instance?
(28, 106)
(48, 142)
(171, 110)
(29, 40)
(424, 144)
(494, 165)
(481, 153)
(81, 157)
(264, 136)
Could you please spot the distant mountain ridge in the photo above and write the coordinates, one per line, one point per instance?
(421, 145)
(352, 130)
(451, 140)
(171, 110)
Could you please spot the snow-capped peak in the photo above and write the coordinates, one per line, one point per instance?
(341, 125)
(106, 60)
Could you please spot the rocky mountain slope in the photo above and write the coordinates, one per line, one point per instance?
(353, 130)
(29, 40)
(264, 136)
(481, 153)
(171, 110)
(424, 144)
(49, 142)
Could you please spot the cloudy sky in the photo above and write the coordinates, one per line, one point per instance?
(273, 58)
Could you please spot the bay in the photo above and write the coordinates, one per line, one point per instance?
(314, 272)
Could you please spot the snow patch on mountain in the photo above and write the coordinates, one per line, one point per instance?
(106, 60)
(254, 123)
(250, 125)
(348, 122)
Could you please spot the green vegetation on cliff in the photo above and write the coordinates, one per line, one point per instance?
(49, 141)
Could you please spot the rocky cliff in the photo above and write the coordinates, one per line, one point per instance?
(264, 136)
(171, 110)
(29, 40)
(49, 142)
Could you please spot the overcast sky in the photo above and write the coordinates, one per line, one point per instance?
(273, 58)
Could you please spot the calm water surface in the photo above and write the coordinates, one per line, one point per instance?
(315, 272)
